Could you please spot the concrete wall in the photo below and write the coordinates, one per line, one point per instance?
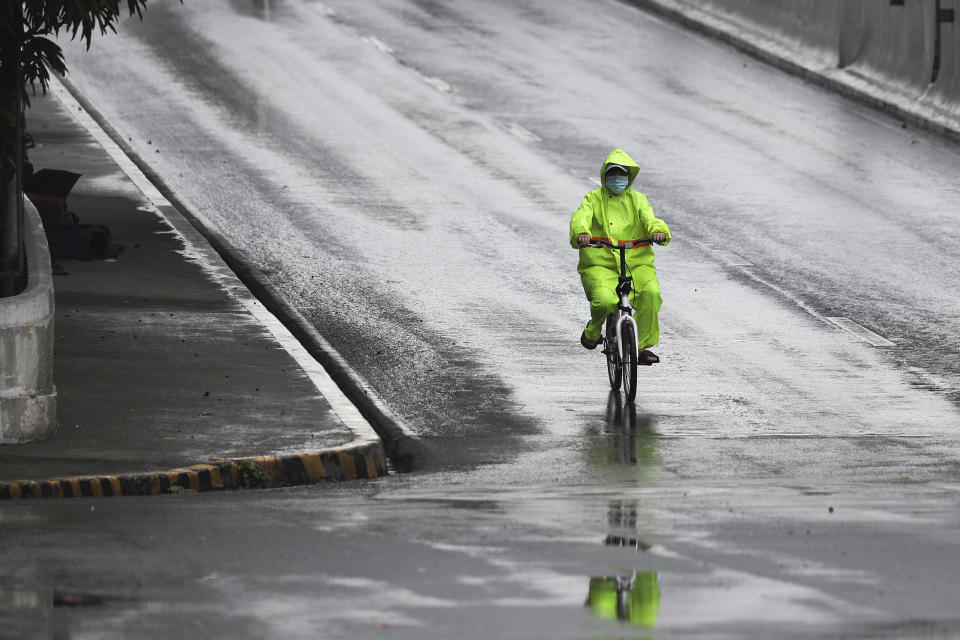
(945, 91)
(809, 27)
(28, 398)
(903, 57)
(891, 43)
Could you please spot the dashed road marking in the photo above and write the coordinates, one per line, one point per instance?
(731, 258)
(523, 134)
(441, 85)
(860, 331)
(378, 44)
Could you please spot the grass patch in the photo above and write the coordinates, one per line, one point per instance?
(252, 476)
(177, 489)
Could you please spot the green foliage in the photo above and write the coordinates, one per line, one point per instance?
(252, 476)
(45, 18)
(180, 491)
(39, 22)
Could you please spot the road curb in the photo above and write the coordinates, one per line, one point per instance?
(906, 110)
(364, 460)
(404, 449)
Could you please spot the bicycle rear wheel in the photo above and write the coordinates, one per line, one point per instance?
(628, 358)
(612, 351)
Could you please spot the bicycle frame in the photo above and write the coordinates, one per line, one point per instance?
(624, 288)
(621, 363)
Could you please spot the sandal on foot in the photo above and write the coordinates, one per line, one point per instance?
(587, 342)
(648, 358)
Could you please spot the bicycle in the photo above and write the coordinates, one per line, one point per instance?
(620, 330)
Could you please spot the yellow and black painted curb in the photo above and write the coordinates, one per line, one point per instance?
(347, 463)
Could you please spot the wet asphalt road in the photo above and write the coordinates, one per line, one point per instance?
(442, 555)
(403, 172)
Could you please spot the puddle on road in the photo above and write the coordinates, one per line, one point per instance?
(631, 596)
(31, 612)
(14, 597)
(625, 438)
(19, 598)
(717, 598)
(638, 592)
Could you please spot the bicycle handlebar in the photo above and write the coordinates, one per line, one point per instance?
(599, 244)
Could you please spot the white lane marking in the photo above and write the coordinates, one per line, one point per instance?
(733, 259)
(860, 331)
(380, 45)
(729, 257)
(441, 85)
(595, 181)
(931, 381)
(786, 294)
(783, 292)
(325, 10)
(218, 269)
(889, 124)
(523, 134)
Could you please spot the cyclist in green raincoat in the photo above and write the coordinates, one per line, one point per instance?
(617, 213)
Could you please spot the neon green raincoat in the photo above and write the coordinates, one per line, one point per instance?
(640, 607)
(619, 218)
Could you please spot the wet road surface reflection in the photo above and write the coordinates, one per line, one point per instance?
(634, 436)
(632, 596)
(634, 599)
(626, 438)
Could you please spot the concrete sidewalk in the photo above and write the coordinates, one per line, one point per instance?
(170, 375)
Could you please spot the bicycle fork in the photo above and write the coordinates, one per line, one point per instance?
(626, 315)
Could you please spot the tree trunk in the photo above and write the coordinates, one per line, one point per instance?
(12, 258)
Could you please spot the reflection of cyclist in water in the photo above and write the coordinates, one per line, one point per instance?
(635, 600)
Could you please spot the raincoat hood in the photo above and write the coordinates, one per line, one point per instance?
(619, 156)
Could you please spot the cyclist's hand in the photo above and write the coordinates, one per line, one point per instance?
(583, 239)
(658, 237)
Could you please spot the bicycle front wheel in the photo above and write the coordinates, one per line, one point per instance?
(628, 358)
(612, 351)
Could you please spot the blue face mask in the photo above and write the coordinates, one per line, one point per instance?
(617, 184)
